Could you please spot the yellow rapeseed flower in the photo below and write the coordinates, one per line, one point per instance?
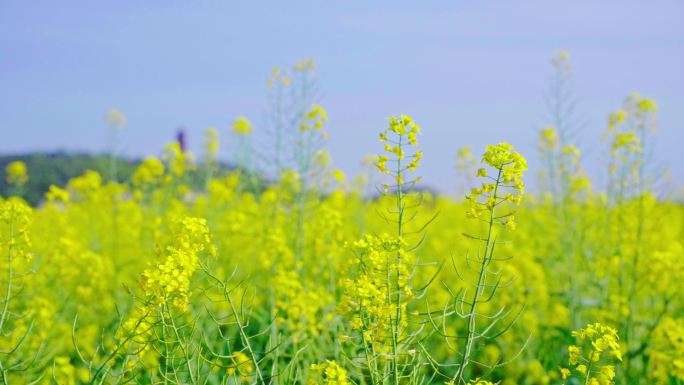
(16, 173)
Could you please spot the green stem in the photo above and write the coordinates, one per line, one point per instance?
(180, 343)
(397, 306)
(241, 328)
(478, 291)
(10, 278)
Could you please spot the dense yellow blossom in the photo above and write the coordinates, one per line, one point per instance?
(666, 353)
(150, 171)
(170, 280)
(329, 372)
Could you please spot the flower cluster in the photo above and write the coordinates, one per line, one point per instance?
(371, 297)
(329, 372)
(593, 359)
(314, 119)
(548, 139)
(56, 194)
(242, 126)
(279, 77)
(86, 184)
(170, 280)
(149, 172)
(626, 128)
(16, 173)
(564, 162)
(64, 372)
(400, 133)
(15, 216)
(305, 65)
(511, 164)
(507, 186)
(626, 140)
(301, 310)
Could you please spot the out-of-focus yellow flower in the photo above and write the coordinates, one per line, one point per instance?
(561, 60)
(242, 126)
(339, 175)
(89, 182)
(17, 173)
(116, 119)
(241, 366)
(56, 194)
(548, 138)
(666, 351)
(315, 118)
(211, 137)
(305, 65)
(150, 171)
(647, 105)
(177, 160)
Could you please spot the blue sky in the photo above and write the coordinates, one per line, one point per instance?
(468, 72)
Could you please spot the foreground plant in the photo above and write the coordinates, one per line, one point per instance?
(492, 204)
(15, 326)
(378, 297)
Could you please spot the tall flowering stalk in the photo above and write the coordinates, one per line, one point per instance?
(291, 92)
(157, 335)
(401, 133)
(563, 180)
(628, 134)
(307, 152)
(211, 149)
(556, 141)
(241, 130)
(466, 166)
(117, 121)
(379, 295)
(491, 203)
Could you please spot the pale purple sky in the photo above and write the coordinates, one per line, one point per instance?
(469, 72)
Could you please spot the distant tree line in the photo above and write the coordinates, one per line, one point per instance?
(56, 168)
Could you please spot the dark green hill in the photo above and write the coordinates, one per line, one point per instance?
(57, 168)
(45, 169)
